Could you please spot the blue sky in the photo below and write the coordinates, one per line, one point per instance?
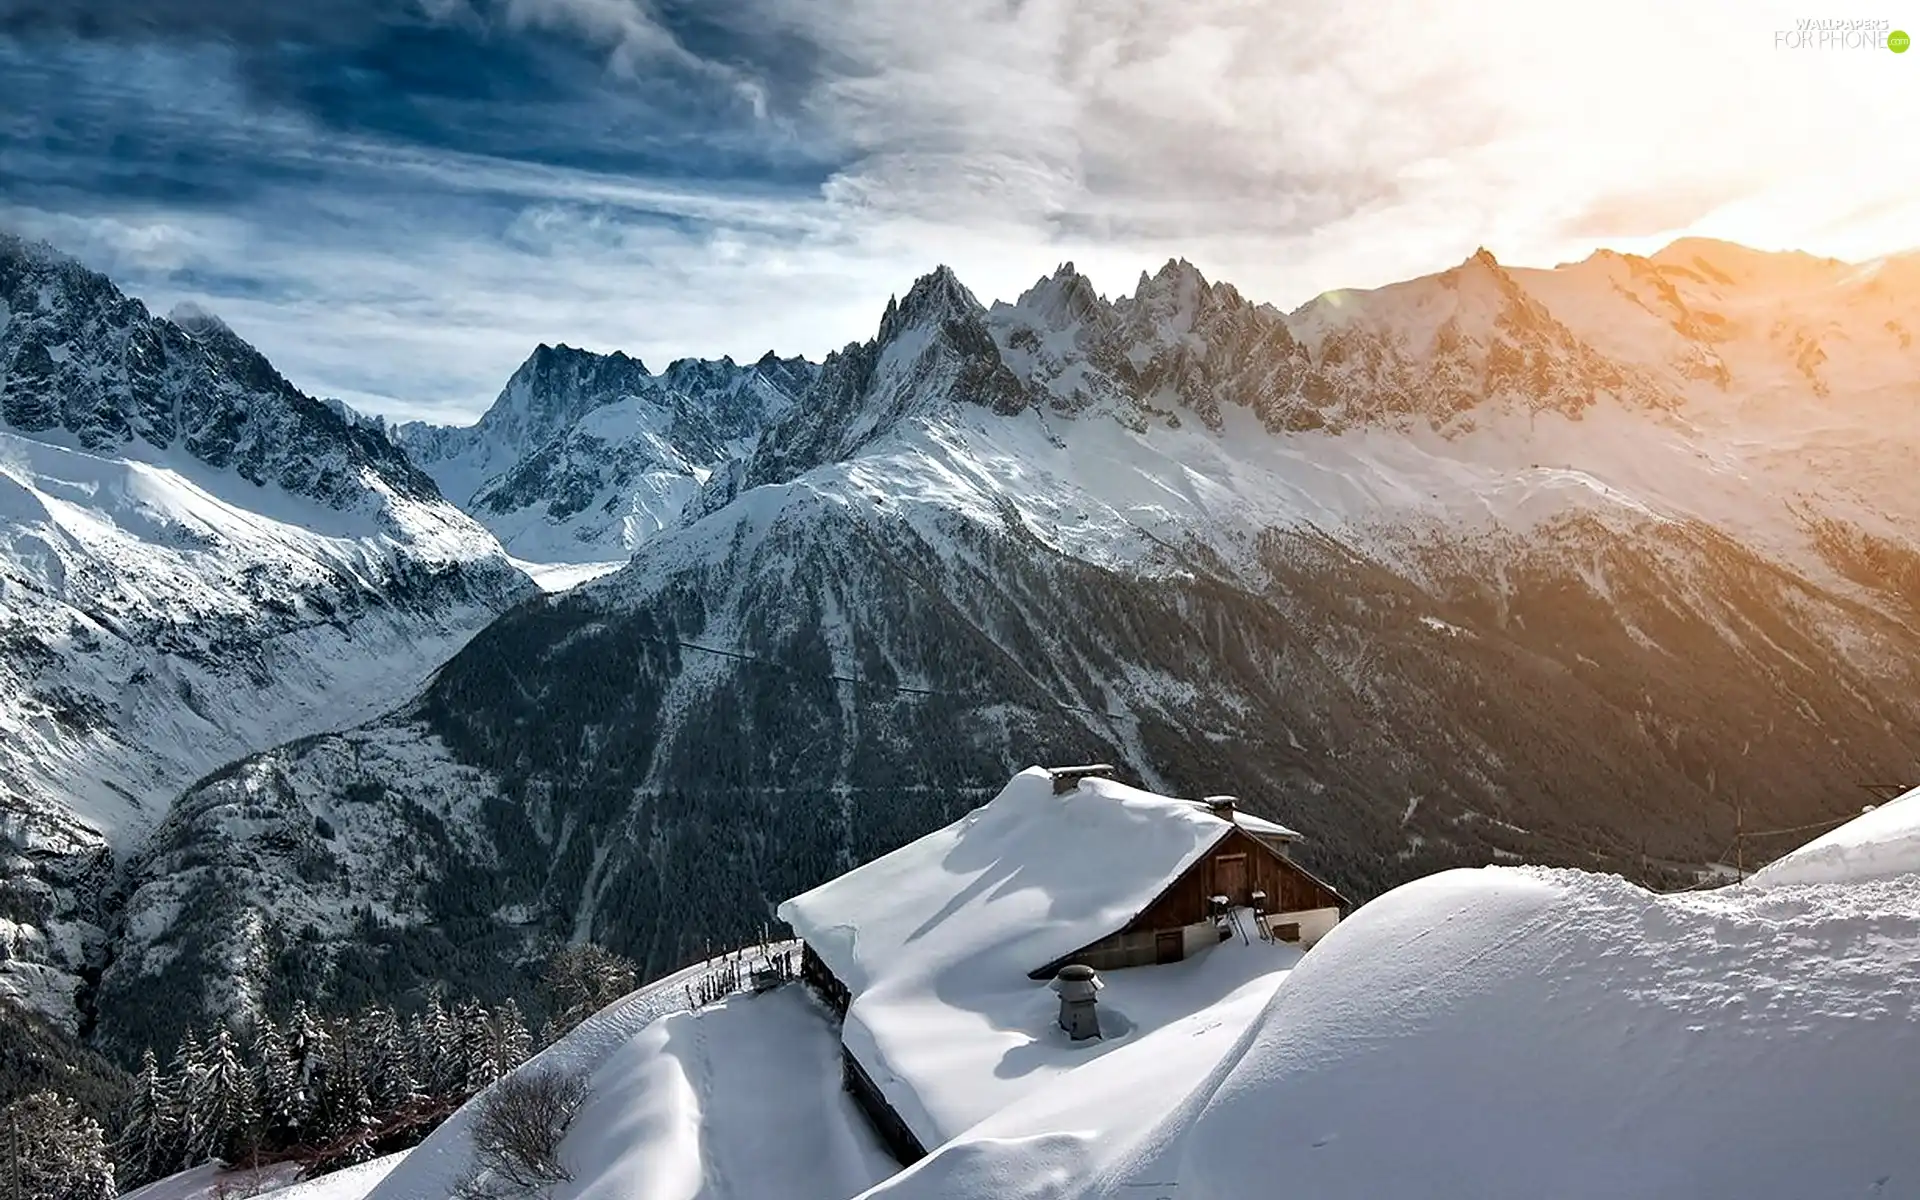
(396, 200)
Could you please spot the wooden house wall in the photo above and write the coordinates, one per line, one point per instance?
(887, 1123)
(825, 984)
(1190, 899)
(1188, 902)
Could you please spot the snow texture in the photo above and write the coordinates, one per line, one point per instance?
(279, 1182)
(740, 1100)
(1884, 842)
(1506, 1033)
(935, 941)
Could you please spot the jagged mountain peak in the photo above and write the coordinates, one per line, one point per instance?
(32, 252)
(1732, 264)
(79, 355)
(555, 387)
(1057, 301)
(934, 299)
(547, 358)
(1176, 298)
(584, 455)
(195, 319)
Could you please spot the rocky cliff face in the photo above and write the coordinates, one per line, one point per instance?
(197, 561)
(584, 456)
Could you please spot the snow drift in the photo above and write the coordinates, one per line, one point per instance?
(737, 1101)
(1885, 842)
(1520, 1033)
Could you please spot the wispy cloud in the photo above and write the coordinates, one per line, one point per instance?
(396, 200)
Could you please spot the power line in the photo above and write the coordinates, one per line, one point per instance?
(1831, 821)
(857, 681)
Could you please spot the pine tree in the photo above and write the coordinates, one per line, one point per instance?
(391, 1085)
(185, 1089)
(308, 1047)
(277, 1083)
(148, 1146)
(512, 1043)
(345, 1111)
(475, 1040)
(49, 1150)
(436, 1050)
(227, 1102)
(92, 1175)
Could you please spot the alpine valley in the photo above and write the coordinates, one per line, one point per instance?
(1579, 566)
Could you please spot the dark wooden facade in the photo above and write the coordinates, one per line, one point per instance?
(893, 1131)
(853, 1077)
(825, 984)
(1237, 866)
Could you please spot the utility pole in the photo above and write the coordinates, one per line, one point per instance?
(1740, 844)
(14, 1158)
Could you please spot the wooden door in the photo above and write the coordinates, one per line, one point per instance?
(1169, 947)
(1230, 877)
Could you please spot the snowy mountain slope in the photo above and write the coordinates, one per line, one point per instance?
(571, 773)
(1510, 1033)
(734, 1101)
(1573, 624)
(584, 456)
(196, 561)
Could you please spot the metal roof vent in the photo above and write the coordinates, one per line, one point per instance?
(1078, 987)
(1221, 806)
(1065, 779)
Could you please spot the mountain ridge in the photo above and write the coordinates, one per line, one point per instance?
(197, 561)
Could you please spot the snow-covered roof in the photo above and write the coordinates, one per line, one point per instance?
(1015, 884)
(1261, 827)
(1506, 1034)
(935, 942)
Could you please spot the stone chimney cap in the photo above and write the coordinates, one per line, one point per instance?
(1066, 779)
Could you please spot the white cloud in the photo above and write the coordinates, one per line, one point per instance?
(1290, 147)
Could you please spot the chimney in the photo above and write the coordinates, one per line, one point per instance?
(1077, 985)
(1221, 806)
(1066, 779)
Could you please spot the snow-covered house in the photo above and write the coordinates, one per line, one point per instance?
(937, 954)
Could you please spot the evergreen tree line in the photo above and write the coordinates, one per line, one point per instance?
(328, 1091)
(50, 1150)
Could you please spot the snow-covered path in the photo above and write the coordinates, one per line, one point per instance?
(278, 1182)
(740, 1101)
